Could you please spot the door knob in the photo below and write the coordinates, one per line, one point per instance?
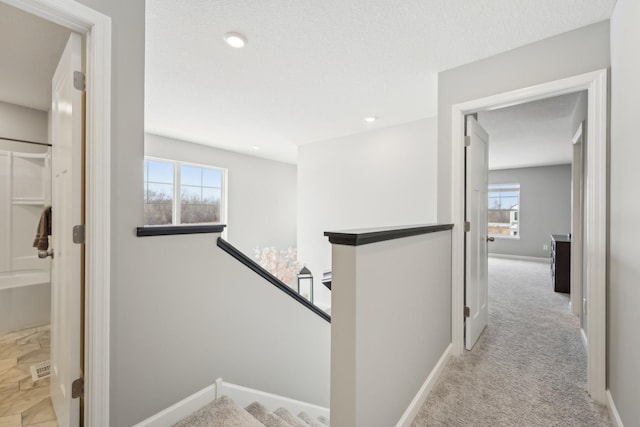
(491, 239)
(44, 254)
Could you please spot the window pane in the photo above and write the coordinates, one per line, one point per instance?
(503, 203)
(190, 194)
(199, 213)
(190, 175)
(158, 213)
(212, 178)
(159, 172)
(159, 193)
(211, 195)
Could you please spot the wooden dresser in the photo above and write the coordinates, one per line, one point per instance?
(561, 262)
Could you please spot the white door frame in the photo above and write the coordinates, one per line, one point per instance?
(577, 212)
(595, 220)
(96, 29)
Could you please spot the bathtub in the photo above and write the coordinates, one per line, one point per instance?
(25, 300)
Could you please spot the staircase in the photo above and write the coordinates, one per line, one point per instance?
(225, 412)
(221, 405)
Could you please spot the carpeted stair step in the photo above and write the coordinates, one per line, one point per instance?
(307, 419)
(222, 412)
(290, 418)
(265, 416)
(225, 412)
(323, 420)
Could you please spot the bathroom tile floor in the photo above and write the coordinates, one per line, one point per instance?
(24, 402)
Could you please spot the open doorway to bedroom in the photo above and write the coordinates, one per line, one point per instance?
(536, 191)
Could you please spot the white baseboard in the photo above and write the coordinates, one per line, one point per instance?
(520, 257)
(243, 396)
(417, 402)
(174, 413)
(583, 335)
(613, 412)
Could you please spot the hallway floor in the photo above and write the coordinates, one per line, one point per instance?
(529, 366)
(23, 402)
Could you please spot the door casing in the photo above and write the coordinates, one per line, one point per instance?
(595, 218)
(96, 30)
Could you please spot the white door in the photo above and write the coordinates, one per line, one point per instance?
(476, 274)
(66, 200)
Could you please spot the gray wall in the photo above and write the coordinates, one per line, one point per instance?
(261, 193)
(545, 208)
(569, 54)
(379, 362)
(150, 368)
(624, 268)
(370, 179)
(131, 348)
(203, 315)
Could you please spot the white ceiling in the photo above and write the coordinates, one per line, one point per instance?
(534, 134)
(312, 70)
(30, 48)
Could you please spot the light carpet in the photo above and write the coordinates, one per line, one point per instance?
(529, 366)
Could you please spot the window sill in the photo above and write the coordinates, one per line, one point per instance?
(170, 230)
(506, 237)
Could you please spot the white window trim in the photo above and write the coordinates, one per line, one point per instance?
(176, 191)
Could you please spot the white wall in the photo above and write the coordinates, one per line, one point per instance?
(25, 291)
(391, 324)
(379, 178)
(202, 315)
(23, 123)
(261, 193)
(576, 52)
(624, 269)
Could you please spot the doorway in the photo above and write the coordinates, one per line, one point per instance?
(96, 28)
(534, 208)
(595, 210)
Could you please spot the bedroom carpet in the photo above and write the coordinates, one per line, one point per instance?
(529, 366)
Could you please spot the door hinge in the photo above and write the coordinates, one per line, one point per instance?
(77, 388)
(79, 80)
(467, 140)
(467, 312)
(78, 233)
(467, 226)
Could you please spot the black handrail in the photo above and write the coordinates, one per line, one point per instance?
(248, 262)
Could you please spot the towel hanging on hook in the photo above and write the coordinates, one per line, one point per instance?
(44, 230)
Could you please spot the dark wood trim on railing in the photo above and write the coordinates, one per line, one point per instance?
(373, 235)
(169, 230)
(252, 265)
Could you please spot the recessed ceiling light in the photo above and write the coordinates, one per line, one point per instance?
(234, 39)
(255, 147)
(370, 119)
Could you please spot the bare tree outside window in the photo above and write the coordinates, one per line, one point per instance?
(158, 192)
(200, 194)
(178, 193)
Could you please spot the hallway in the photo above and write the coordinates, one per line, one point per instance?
(529, 366)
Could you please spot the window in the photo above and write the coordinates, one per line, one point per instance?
(182, 193)
(504, 208)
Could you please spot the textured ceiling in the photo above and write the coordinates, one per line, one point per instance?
(29, 48)
(312, 70)
(534, 134)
